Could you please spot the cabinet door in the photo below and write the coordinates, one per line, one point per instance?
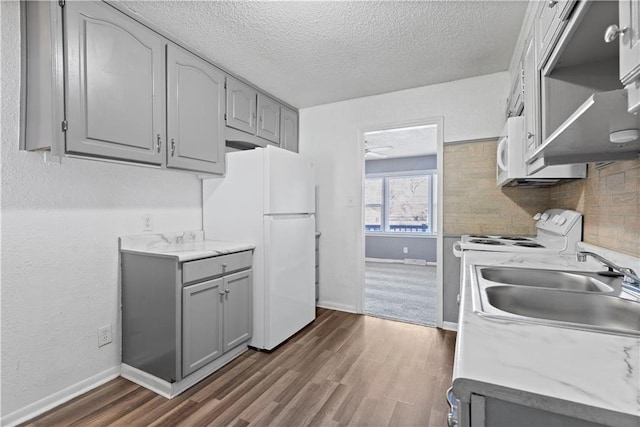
(268, 119)
(195, 113)
(114, 85)
(238, 308)
(201, 324)
(515, 101)
(531, 102)
(552, 19)
(241, 106)
(629, 16)
(288, 129)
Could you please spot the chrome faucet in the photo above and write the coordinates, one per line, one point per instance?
(630, 277)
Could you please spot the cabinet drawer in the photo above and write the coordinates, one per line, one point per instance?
(215, 266)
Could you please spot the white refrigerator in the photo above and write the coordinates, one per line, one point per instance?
(268, 197)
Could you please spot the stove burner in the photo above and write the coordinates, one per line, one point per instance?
(478, 236)
(528, 245)
(514, 238)
(486, 242)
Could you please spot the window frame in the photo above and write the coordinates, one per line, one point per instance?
(385, 202)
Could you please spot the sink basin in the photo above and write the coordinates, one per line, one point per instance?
(544, 279)
(573, 309)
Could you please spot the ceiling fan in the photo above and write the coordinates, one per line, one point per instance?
(375, 151)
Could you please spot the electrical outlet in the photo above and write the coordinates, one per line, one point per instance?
(147, 223)
(405, 250)
(104, 335)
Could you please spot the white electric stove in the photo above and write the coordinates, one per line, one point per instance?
(558, 231)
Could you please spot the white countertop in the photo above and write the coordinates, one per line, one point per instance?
(183, 246)
(587, 375)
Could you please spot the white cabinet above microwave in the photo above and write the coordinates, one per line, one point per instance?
(584, 107)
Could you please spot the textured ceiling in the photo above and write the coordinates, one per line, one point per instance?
(402, 142)
(315, 52)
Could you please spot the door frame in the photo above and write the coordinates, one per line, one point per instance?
(360, 248)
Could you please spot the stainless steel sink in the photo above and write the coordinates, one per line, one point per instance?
(572, 309)
(564, 280)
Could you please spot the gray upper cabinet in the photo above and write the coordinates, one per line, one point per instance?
(195, 113)
(288, 129)
(268, 119)
(259, 118)
(241, 106)
(237, 309)
(114, 76)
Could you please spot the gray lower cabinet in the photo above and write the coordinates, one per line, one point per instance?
(178, 317)
(491, 412)
(201, 322)
(237, 320)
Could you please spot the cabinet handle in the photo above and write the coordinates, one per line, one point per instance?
(529, 135)
(226, 291)
(253, 117)
(613, 31)
(158, 143)
(173, 147)
(552, 3)
(224, 267)
(221, 292)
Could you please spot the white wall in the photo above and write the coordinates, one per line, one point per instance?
(60, 224)
(329, 137)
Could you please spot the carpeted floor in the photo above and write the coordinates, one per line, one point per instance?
(401, 292)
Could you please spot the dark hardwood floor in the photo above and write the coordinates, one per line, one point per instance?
(343, 369)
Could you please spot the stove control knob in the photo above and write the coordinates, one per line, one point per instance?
(545, 216)
(562, 220)
(537, 216)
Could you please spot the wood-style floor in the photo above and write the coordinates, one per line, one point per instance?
(343, 369)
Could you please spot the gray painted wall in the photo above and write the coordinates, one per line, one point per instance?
(391, 247)
(401, 164)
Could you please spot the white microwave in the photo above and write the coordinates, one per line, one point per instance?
(511, 168)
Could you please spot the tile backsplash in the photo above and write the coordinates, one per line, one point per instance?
(610, 201)
(472, 201)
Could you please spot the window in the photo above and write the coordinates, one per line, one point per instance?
(373, 204)
(401, 203)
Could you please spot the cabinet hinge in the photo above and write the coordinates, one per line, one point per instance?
(65, 125)
(61, 3)
(225, 117)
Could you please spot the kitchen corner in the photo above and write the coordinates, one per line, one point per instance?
(543, 372)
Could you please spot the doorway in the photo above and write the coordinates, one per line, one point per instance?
(401, 211)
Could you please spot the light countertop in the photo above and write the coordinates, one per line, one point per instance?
(183, 246)
(587, 375)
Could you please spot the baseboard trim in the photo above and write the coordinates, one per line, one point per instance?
(450, 326)
(337, 306)
(60, 397)
(171, 390)
(385, 260)
(401, 261)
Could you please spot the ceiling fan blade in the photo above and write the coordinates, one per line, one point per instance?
(373, 154)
